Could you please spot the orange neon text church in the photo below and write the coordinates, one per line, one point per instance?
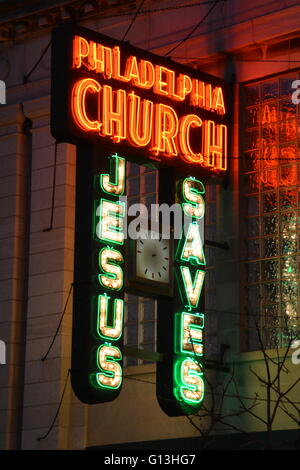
(123, 115)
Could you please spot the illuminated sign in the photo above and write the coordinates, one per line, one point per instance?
(189, 321)
(97, 357)
(105, 90)
(180, 382)
(117, 102)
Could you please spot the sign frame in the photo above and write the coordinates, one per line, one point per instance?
(92, 150)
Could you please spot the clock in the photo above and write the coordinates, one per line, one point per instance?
(151, 260)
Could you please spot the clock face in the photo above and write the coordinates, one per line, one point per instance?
(153, 258)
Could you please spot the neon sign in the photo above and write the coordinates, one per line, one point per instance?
(189, 322)
(144, 74)
(162, 132)
(124, 115)
(97, 366)
(109, 230)
(181, 385)
(112, 99)
(106, 91)
(156, 127)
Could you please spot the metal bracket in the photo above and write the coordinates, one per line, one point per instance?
(158, 357)
(142, 354)
(221, 180)
(222, 246)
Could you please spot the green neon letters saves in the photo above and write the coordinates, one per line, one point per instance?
(189, 386)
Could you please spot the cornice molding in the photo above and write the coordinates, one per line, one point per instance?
(20, 24)
(11, 115)
(37, 108)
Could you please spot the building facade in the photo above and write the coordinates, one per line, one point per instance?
(252, 230)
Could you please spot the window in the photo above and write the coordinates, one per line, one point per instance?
(140, 327)
(270, 201)
(140, 312)
(211, 339)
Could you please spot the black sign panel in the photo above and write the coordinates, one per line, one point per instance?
(116, 103)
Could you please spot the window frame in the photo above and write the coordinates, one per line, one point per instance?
(260, 192)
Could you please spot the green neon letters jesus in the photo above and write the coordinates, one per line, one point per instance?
(109, 213)
(116, 187)
(111, 276)
(110, 226)
(110, 375)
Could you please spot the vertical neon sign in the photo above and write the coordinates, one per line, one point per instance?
(109, 236)
(97, 359)
(189, 320)
(106, 95)
(182, 387)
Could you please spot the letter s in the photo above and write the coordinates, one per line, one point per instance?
(192, 190)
